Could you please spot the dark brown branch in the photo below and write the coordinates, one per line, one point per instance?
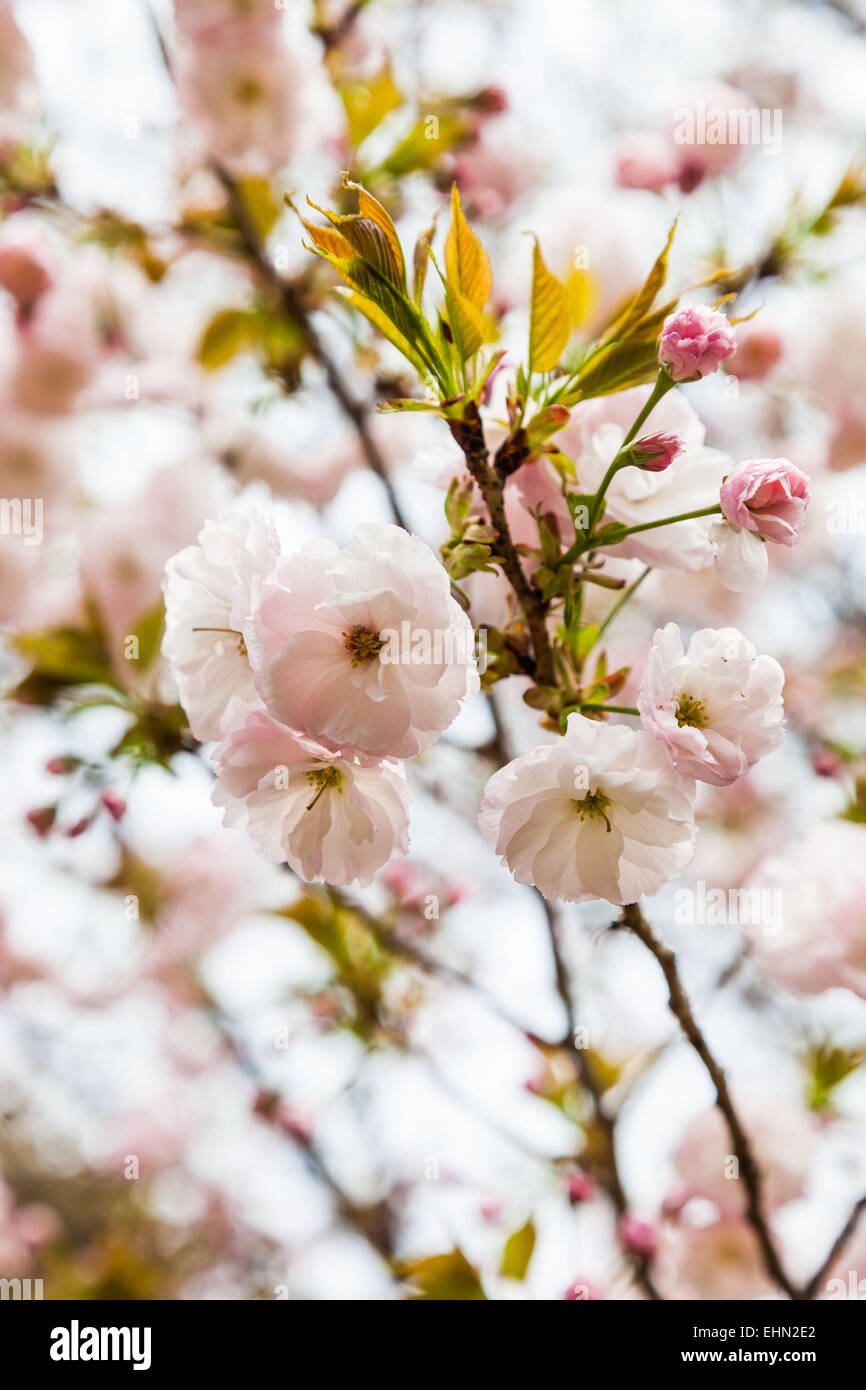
(814, 1285)
(469, 434)
(678, 1002)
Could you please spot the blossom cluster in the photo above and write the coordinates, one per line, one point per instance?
(279, 658)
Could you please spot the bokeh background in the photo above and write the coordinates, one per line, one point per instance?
(216, 1082)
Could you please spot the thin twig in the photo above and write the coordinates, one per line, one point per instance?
(814, 1284)
(678, 1002)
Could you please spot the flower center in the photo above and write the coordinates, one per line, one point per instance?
(322, 778)
(691, 712)
(594, 804)
(362, 644)
(242, 646)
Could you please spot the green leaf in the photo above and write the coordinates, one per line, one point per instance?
(518, 1252)
(549, 320)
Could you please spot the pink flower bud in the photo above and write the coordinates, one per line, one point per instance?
(768, 496)
(645, 160)
(580, 1188)
(41, 819)
(61, 767)
(694, 341)
(656, 452)
(757, 354)
(23, 273)
(638, 1237)
(114, 805)
(826, 762)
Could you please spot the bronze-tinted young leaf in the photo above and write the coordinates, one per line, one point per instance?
(467, 265)
(369, 207)
(549, 318)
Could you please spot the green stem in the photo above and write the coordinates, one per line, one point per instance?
(620, 603)
(651, 525)
(612, 709)
(663, 384)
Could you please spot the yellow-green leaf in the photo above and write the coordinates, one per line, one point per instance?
(467, 264)
(550, 319)
(368, 103)
(258, 200)
(642, 302)
(421, 261)
(228, 333)
(518, 1252)
(442, 1278)
(467, 323)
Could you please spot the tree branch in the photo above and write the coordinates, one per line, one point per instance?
(469, 434)
(814, 1284)
(678, 1002)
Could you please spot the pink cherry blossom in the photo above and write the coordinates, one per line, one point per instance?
(717, 707)
(364, 646)
(783, 1141)
(598, 814)
(767, 496)
(240, 85)
(332, 818)
(210, 591)
(58, 352)
(720, 1261)
(694, 341)
(819, 941)
(645, 159)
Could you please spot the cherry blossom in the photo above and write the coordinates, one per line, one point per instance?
(210, 590)
(716, 707)
(601, 813)
(365, 646)
(332, 818)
